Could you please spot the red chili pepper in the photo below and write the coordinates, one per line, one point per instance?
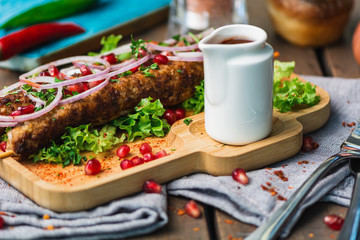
(34, 35)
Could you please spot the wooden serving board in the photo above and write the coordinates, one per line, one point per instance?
(191, 150)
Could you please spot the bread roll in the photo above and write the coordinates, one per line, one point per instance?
(310, 22)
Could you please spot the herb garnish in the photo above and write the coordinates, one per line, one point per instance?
(196, 102)
(187, 121)
(109, 43)
(136, 45)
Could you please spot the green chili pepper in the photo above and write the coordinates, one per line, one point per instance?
(47, 12)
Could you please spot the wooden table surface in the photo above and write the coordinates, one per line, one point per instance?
(333, 60)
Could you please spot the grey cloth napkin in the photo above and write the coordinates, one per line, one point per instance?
(143, 213)
(251, 204)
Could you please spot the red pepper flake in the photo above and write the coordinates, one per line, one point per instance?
(281, 175)
(264, 188)
(284, 165)
(344, 124)
(351, 124)
(196, 229)
(230, 237)
(332, 236)
(303, 162)
(228, 221)
(180, 212)
(281, 198)
(268, 168)
(311, 235)
(4, 214)
(290, 187)
(268, 183)
(50, 227)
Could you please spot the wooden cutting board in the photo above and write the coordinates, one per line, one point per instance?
(191, 150)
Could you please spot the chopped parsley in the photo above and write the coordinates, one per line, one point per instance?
(180, 71)
(135, 47)
(187, 121)
(8, 104)
(146, 70)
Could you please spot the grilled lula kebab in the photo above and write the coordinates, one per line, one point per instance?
(93, 91)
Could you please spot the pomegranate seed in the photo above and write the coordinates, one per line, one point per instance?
(27, 109)
(165, 53)
(94, 83)
(3, 146)
(137, 160)
(240, 176)
(85, 86)
(334, 221)
(170, 116)
(92, 167)
(110, 58)
(135, 69)
(44, 73)
(161, 59)
(192, 209)
(123, 151)
(160, 154)
(148, 157)
(145, 148)
(126, 163)
(150, 186)
(85, 70)
(308, 144)
(1, 222)
(142, 53)
(15, 113)
(53, 71)
(78, 87)
(180, 113)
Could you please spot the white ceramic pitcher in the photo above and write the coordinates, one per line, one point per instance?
(238, 84)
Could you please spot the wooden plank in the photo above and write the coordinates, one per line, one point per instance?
(180, 226)
(311, 224)
(305, 58)
(228, 227)
(339, 57)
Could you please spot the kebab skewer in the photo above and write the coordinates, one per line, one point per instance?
(113, 93)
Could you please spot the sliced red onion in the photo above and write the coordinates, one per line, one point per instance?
(84, 94)
(121, 65)
(33, 115)
(8, 89)
(7, 124)
(165, 48)
(34, 99)
(129, 66)
(186, 59)
(95, 76)
(41, 79)
(122, 49)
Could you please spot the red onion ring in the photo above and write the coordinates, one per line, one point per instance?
(33, 115)
(186, 59)
(7, 124)
(94, 77)
(84, 94)
(165, 48)
(129, 66)
(8, 89)
(41, 80)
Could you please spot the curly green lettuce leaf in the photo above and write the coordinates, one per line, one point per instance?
(283, 69)
(74, 141)
(145, 122)
(109, 43)
(288, 94)
(196, 102)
